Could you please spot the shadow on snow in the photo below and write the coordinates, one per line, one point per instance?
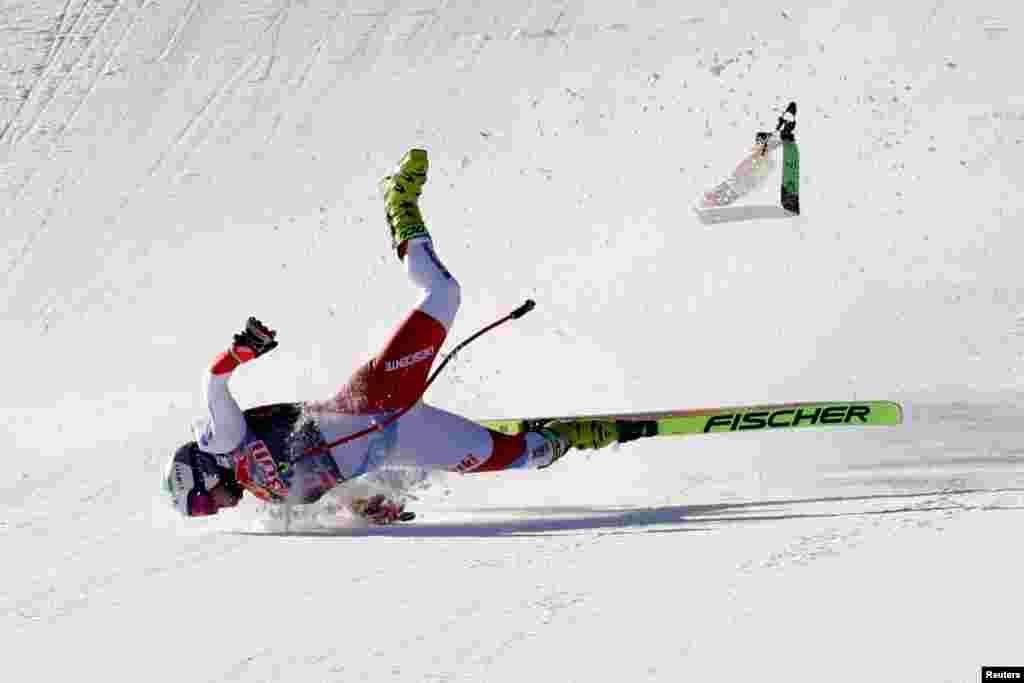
(736, 214)
(540, 521)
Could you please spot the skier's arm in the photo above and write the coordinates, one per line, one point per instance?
(225, 425)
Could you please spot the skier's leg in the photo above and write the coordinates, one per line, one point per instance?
(440, 292)
(412, 242)
(396, 377)
(436, 439)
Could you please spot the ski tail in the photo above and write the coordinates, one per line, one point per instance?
(632, 426)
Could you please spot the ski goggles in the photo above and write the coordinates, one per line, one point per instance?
(200, 504)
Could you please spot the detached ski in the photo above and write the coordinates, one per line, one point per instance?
(754, 169)
(790, 194)
(632, 426)
(748, 175)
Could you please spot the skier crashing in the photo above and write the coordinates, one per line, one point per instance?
(296, 452)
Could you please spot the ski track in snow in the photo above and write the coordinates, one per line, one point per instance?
(49, 89)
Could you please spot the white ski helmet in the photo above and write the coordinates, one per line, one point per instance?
(188, 480)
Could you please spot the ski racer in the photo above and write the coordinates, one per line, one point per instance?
(279, 452)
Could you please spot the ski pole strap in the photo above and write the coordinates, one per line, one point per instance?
(380, 426)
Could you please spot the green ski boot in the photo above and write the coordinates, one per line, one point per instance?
(401, 199)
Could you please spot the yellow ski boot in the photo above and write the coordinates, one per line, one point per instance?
(401, 199)
(581, 434)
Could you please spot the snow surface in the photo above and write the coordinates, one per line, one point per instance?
(169, 167)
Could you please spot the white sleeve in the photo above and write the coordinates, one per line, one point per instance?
(224, 427)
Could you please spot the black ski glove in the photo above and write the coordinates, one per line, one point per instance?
(256, 337)
(379, 510)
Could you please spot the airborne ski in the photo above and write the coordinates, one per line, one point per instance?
(790, 160)
(754, 169)
(632, 426)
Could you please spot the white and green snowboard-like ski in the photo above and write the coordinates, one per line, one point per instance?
(632, 426)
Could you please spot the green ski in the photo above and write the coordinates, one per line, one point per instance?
(790, 176)
(633, 426)
(790, 195)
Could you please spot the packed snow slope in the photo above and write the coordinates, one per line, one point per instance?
(170, 167)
